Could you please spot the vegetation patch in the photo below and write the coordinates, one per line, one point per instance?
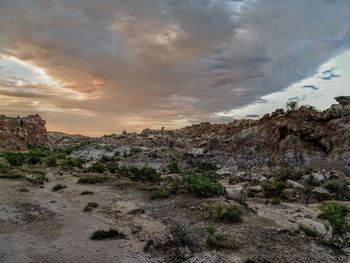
(339, 188)
(58, 187)
(140, 174)
(337, 224)
(86, 192)
(202, 186)
(217, 240)
(90, 206)
(93, 179)
(273, 188)
(107, 235)
(226, 213)
(310, 231)
(162, 193)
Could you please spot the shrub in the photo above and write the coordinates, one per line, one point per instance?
(33, 160)
(217, 240)
(312, 232)
(98, 167)
(202, 186)
(51, 161)
(92, 179)
(90, 206)
(70, 163)
(15, 159)
(161, 193)
(110, 234)
(205, 166)
(174, 166)
(335, 214)
(226, 213)
(175, 186)
(140, 174)
(273, 188)
(23, 190)
(285, 173)
(58, 187)
(292, 105)
(87, 193)
(339, 188)
(135, 150)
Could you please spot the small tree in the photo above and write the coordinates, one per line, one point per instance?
(292, 105)
(335, 215)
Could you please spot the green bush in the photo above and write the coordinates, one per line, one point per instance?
(335, 214)
(174, 166)
(218, 241)
(226, 213)
(58, 187)
(33, 160)
(70, 163)
(51, 161)
(161, 193)
(93, 179)
(202, 186)
(140, 174)
(110, 234)
(202, 166)
(15, 159)
(273, 188)
(285, 173)
(98, 167)
(339, 188)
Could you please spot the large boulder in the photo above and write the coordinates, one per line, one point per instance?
(236, 192)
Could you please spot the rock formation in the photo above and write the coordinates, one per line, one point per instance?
(17, 133)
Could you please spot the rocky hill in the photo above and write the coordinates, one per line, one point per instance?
(296, 138)
(17, 133)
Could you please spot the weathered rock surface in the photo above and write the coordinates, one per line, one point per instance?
(18, 133)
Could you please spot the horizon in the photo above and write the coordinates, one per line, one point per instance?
(99, 68)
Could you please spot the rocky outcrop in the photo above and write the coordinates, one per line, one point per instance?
(17, 133)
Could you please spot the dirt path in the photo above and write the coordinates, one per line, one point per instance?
(45, 226)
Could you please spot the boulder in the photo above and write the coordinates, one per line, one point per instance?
(320, 194)
(236, 192)
(293, 184)
(196, 152)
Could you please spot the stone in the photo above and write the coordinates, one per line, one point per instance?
(293, 184)
(344, 101)
(236, 192)
(255, 188)
(196, 152)
(320, 194)
(314, 178)
(207, 257)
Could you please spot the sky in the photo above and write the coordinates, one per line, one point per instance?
(101, 67)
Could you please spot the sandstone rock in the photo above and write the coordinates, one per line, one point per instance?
(236, 192)
(18, 133)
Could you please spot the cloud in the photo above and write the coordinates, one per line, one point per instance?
(164, 62)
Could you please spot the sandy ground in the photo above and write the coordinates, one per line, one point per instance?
(41, 226)
(45, 226)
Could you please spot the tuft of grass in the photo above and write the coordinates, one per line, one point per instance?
(286, 173)
(226, 213)
(273, 188)
(86, 192)
(92, 179)
(217, 240)
(90, 206)
(58, 187)
(174, 166)
(107, 235)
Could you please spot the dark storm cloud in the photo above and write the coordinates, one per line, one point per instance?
(163, 61)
